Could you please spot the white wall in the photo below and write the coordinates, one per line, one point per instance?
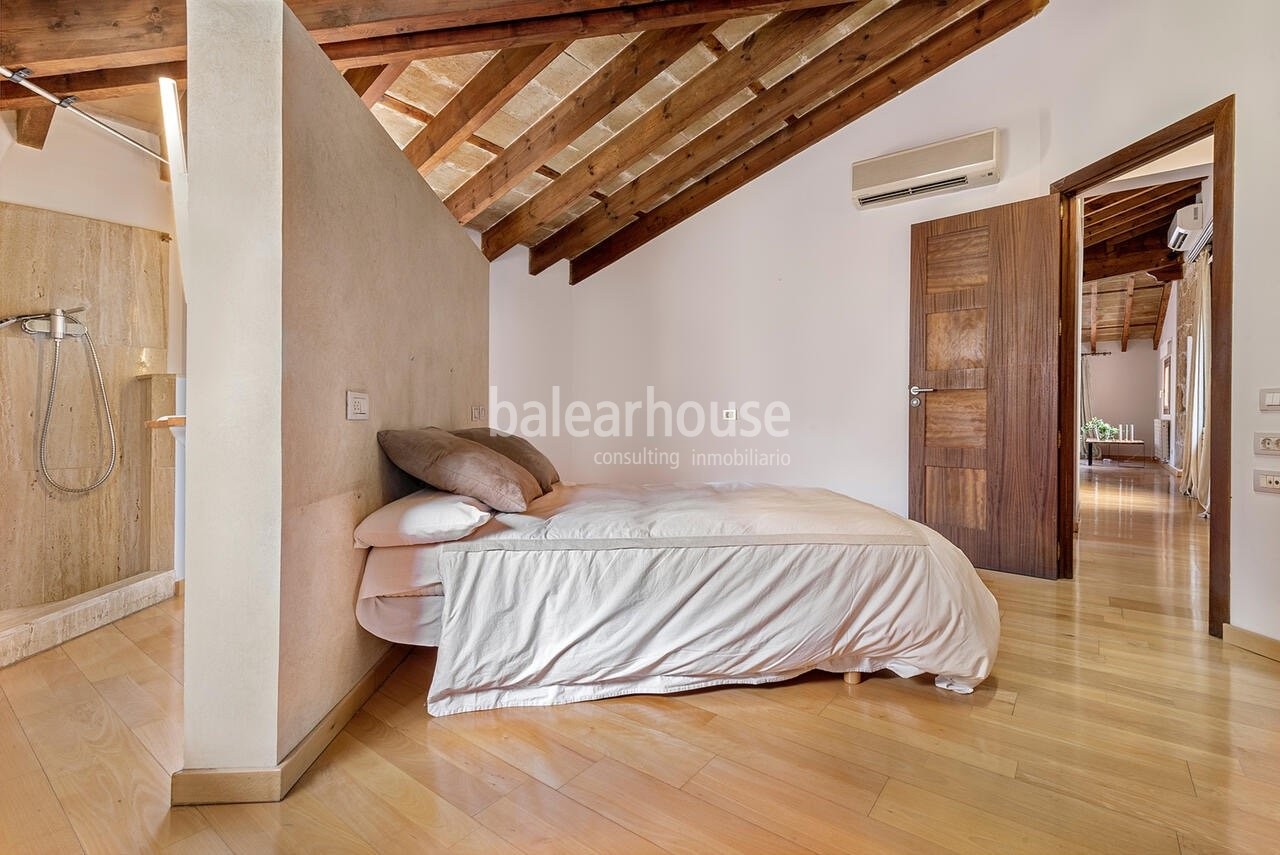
(1125, 390)
(785, 289)
(235, 364)
(85, 171)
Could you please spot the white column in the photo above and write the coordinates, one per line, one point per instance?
(234, 358)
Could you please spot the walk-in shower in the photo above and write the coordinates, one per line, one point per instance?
(58, 325)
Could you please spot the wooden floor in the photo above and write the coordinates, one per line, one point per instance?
(1112, 723)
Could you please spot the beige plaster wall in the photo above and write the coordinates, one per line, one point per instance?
(384, 293)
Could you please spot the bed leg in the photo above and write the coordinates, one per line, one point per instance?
(853, 678)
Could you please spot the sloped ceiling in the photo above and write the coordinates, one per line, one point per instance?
(582, 129)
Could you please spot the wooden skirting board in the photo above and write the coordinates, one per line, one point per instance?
(1251, 641)
(29, 630)
(272, 783)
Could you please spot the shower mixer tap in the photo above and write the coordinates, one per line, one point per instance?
(56, 323)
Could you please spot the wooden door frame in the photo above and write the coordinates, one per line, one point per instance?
(1218, 120)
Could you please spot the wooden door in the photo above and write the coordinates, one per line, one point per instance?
(984, 338)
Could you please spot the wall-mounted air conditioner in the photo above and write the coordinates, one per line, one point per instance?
(970, 161)
(1186, 228)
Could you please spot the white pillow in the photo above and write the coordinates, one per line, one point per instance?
(427, 516)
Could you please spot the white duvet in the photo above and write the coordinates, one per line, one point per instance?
(604, 590)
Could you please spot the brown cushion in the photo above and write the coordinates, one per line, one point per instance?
(458, 465)
(518, 450)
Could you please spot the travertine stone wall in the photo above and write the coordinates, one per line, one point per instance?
(54, 545)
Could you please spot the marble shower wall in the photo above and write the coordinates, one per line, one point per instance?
(54, 545)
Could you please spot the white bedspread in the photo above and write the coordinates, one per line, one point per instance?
(604, 590)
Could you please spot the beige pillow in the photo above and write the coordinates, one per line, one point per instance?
(458, 465)
(518, 450)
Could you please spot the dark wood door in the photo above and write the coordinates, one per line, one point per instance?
(984, 338)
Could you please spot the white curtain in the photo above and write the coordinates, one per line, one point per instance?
(1086, 391)
(1195, 469)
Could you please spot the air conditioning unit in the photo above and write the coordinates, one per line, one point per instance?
(1186, 228)
(969, 161)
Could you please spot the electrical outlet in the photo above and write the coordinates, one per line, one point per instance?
(1266, 482)
(729, 415)
(357, 406)
(1266, 443)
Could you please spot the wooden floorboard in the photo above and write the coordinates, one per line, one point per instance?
(1111, 723)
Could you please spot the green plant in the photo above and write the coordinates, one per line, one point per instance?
(1098, 429)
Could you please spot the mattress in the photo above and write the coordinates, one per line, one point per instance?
(401, 597)
(602, 590)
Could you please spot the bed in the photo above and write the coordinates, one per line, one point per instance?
(602, 590)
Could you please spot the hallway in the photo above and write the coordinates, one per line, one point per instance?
(1142, 542)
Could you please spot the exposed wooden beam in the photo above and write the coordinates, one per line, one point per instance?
(509, 71)
(1160, 313)
(1128, 317)
(614, 82)
(1168, 273)
(1142, 253)
(33, 125)
(1096, 203)
(1108, 286)
(1097, 216)
(1132, 220)
(852, 59)
(1093, 319)
(126, 45)
(404, 108)
(93, 85)
(1117, 264)
(67, 38)
(62, 38)
(1150, 222)
(920, 63)
(1139, 223)
(724, 78)
(495, 35)
(371, 82)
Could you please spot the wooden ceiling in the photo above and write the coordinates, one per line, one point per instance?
(580, 128)
(1128, 267)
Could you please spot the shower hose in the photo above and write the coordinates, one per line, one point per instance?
(48, 418)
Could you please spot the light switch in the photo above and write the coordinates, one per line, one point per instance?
(479, 413)
(1269, 401)
(357, 406)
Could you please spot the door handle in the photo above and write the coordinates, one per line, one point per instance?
(916, 391)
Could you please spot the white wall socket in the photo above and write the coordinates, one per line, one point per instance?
(1266, 482)
(357, 406)
(730, 415)
(1266, 443)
